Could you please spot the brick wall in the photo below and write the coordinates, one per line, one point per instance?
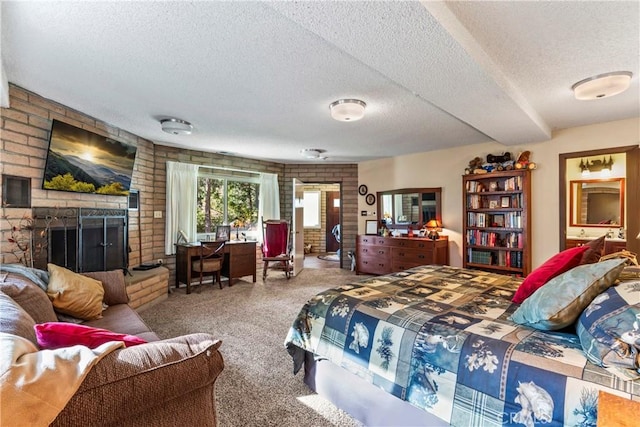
(24, 136)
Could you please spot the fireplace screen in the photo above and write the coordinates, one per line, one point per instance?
(81, 239)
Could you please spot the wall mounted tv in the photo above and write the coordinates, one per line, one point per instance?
(84, 162)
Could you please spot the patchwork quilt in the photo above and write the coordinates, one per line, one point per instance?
(439, 338)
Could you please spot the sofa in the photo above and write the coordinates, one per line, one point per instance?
(160, 382)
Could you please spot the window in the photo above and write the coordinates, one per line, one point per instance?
(311, 209)
(231, 199)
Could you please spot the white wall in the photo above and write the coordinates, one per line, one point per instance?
(444, 168)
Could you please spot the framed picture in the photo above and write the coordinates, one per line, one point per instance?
(362, 190)
(223, 232)
(498, 221)
(493, 204)
(371, 227)
(370, 199)
(505, 202)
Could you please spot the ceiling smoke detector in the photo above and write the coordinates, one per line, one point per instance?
(313, 154)
(602, 85)
(347, 110)
(176, 126)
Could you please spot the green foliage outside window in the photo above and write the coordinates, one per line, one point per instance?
(241, 204)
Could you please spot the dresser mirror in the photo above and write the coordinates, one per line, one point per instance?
(597, 202)
(409, 207)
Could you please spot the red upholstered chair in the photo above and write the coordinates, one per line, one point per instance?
(209, 262)
(276, 248)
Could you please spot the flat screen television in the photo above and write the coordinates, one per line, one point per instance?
(84, 162)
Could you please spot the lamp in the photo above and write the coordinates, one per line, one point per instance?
(313, 153)
(602, 85)
(347, 110)
(587, 166)
(176, 126)
(433, 226)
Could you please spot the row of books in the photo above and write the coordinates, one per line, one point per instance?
(507, 219)
(483, 238)
(500, 258)
(476, 201)
(510, 184)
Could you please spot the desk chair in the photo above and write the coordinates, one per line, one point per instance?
(275, 246)
(209, 262)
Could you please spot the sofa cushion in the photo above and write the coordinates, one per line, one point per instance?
(29, 296)
(54, 335)
(554, 266)
(14, 320)
(74, 294)
(115, 289)
(559, 303)
(125, 320)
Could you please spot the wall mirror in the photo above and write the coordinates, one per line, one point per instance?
(409, 206)
(597, 202)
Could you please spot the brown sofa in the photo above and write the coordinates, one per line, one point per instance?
(161, 383)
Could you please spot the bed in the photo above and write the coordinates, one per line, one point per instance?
(435, 345)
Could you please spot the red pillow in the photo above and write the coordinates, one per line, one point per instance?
(554, 266)
(52, 335)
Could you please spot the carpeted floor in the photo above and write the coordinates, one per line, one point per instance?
(257, 386)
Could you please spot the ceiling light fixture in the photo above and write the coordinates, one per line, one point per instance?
(176, 126)
(347, 110)
(313, 153)
(602, 85)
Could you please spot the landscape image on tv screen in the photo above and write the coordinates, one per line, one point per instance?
(84, 162)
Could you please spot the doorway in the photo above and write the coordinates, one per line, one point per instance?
(322, 237)
(632, 195)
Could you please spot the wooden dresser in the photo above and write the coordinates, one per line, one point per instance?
(384, 255)
(610, 246)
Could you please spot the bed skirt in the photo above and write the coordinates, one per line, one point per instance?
(363, 401)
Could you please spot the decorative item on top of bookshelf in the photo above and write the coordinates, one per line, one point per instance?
(505, 202)
(498, 163)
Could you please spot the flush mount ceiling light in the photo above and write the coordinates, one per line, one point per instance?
(313, 153)
(347, 110)
(602, 85)
(176, 126)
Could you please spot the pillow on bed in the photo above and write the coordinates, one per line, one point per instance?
(559, 303)
(594, 252)
(609, 330)
(557, 264)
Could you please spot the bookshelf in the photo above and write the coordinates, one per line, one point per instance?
(497, 222)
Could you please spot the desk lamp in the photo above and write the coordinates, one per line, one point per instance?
(432, 227)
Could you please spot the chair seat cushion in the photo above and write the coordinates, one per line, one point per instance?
(211, 264)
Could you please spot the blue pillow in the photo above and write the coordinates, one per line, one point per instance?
(559, 303)
(609, 330)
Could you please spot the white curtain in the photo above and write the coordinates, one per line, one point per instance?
(269, 201)
(182, 184)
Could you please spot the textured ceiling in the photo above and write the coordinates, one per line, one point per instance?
(256, 78)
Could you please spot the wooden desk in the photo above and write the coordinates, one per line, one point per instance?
(239, 261)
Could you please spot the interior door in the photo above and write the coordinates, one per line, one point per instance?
(333, 219)
(298, 226)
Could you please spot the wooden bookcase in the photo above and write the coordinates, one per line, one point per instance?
(497, 222)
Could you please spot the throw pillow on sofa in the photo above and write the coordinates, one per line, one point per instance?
(554, 266)
(54, 335)
(115, 289)
(74, 294)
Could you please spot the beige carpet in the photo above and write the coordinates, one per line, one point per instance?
(257, 386)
